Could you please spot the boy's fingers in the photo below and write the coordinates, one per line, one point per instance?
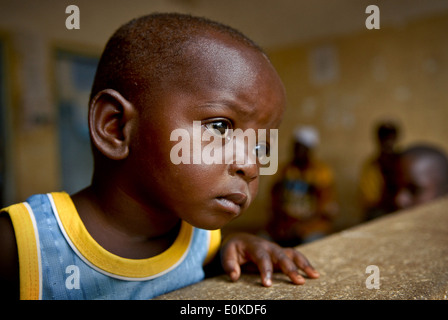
(230, 263)
(289, 268)
(311, 272)
(265, 258)
(265, 266)
(302, 262)
(235, 273)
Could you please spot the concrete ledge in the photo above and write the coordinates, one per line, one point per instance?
(410, 249)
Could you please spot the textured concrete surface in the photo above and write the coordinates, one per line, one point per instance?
(410, 249)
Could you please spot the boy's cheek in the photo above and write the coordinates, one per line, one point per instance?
(253, 189)
(271, 166)
(270, 170)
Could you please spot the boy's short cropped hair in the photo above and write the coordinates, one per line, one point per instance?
(144, 50)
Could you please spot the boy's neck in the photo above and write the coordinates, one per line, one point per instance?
(122, 226)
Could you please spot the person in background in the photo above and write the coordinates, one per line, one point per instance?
(377, 182)
(422, 175)
(303, 198)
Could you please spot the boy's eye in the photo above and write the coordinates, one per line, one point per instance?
(219, 128)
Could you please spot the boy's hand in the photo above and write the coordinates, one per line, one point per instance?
(241, 248)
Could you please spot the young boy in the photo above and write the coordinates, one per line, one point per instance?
(142, 228)
(422, 175)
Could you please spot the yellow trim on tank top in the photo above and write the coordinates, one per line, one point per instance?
(111, 263)
(27, 248)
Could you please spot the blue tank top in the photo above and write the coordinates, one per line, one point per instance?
(58, 259)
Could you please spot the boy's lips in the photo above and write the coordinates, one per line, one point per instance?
(233, 202)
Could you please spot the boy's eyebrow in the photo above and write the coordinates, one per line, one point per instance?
(243, 109)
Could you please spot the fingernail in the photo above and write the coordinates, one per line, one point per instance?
(268, 282)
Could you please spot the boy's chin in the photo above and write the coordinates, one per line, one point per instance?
(214, 224)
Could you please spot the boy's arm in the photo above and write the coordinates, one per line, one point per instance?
(9, 262)
(242, 248)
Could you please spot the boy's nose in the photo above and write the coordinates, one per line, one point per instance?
(244, 163)
(246, 171)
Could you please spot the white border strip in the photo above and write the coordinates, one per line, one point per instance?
(36, 235)
(79, 254)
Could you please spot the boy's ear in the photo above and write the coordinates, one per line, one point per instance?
(111, 119)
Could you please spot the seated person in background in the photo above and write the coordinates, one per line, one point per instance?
(303, 199)
(377, 183)
(422, 175)
(146, 226)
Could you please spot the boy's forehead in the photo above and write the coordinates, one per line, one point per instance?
(216, 65)
(223, 59)
(218, 57)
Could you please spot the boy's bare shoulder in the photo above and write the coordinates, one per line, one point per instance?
(9, 262)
